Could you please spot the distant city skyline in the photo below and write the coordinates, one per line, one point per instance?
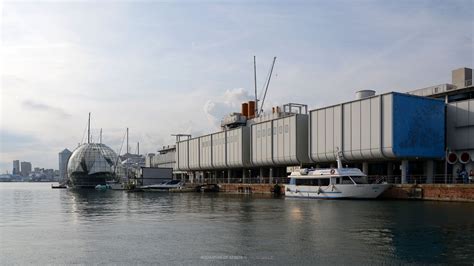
(18, 164)
(163, 68)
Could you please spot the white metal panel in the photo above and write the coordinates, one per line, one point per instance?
(337, 142)
(321, 134)
(238, 147)
(205, 152)
(356, 125)
(292, 124)
(347, 131)
(234, 147)
(219, 150)
(194, 154)
(375, 127)
(261, 143)
(327, 128)
(267, 139)
(182, 150)
(365, 128)
(286, 140)
(280, 141)
(329, 147)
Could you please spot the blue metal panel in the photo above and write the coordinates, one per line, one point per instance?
(418, 126)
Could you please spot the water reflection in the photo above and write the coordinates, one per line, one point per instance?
(148, 228)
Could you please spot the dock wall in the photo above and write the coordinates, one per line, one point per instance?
(439, 192)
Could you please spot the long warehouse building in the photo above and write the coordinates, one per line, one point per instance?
(426, 135)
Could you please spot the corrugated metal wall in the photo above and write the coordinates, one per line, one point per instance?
(380, 127)
(205, 152)
(238, 147)
(194, 155)
(282, 141)
(182, 155)
(460, 125)
(219, 154)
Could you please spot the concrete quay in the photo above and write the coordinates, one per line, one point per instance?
(437, 192)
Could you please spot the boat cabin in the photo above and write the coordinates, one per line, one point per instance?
(326, 177)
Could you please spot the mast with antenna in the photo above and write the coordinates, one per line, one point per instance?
(100, 137)
(89, 129)
(255, 81)
(138, 148)
(127, 140)
(268, 83)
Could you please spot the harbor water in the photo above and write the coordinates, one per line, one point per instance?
(39, 225)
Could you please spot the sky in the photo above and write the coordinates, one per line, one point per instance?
(167, 67)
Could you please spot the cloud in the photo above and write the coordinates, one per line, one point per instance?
(36, 106)
(228, 103)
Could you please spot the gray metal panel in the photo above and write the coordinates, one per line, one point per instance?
(376, 127)
(219, 150)
(387, 125)
(279, 141)
(327, 129)
(347, 130)
(460, 125)
(238, 147)
(365, 128)
(302, 145)
(357, 128)
(194, 154)
(182, 150)
(205, 152)
(329, 133)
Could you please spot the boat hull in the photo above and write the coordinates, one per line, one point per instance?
(359, 191)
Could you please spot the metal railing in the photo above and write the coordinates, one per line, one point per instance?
(372, 179)
(422, 179)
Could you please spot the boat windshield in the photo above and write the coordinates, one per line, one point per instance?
(359, 179)
(310, 181)
(347, 180)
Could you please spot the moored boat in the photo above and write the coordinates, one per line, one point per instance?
(165, 186)
(332, 183)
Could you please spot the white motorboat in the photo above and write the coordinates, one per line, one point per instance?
(332, 183)
(165, 186)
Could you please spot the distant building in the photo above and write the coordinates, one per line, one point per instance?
(25, 168)
(16, 167)
(63, 159)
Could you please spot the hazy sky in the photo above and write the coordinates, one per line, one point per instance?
(164, 67)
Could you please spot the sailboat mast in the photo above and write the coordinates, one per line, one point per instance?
(138, 148)
(100, 138)
(127, 140)
(89, 129)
